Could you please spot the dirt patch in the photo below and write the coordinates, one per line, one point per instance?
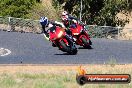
(126, 34)
(63, 68)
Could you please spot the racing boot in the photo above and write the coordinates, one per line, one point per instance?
(53, 45)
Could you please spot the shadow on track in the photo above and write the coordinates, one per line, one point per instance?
(85, 48)
(63, 54)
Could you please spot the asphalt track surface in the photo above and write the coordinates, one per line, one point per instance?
(28, 48)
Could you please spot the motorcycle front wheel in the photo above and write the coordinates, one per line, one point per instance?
(68, 49)
(86, 44)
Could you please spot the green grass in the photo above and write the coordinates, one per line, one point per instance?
(62, 79)
(27, 80)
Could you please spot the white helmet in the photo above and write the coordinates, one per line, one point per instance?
(74, 21)
(64, 13)
(44, 21)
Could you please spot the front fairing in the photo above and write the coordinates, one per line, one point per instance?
(55, 32)
(78, 33)
(76, 29)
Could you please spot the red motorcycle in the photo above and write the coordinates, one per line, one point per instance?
(59, 37)
(80, 35)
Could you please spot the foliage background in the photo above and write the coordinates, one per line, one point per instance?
(99, 12)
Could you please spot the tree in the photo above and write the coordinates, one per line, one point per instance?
(98, 12)
(16, 8)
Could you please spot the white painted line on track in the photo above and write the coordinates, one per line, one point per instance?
(4, 50)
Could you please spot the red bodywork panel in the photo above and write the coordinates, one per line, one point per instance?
(54, 36)
(76, 33)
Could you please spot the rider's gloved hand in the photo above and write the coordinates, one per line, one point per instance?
(47, 35)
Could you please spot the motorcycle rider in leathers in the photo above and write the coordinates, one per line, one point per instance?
(69, 21)
(49, 25)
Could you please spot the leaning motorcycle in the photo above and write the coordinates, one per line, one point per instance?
(60, 39)
(80, 35)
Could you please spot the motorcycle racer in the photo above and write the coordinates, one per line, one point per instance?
(49, 25)
(54, 31)
(73, 25)
(69, 20)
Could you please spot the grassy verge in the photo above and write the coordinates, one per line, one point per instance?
(56, 76)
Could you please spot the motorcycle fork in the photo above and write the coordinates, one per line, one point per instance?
(84, 33)
(71, 43)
